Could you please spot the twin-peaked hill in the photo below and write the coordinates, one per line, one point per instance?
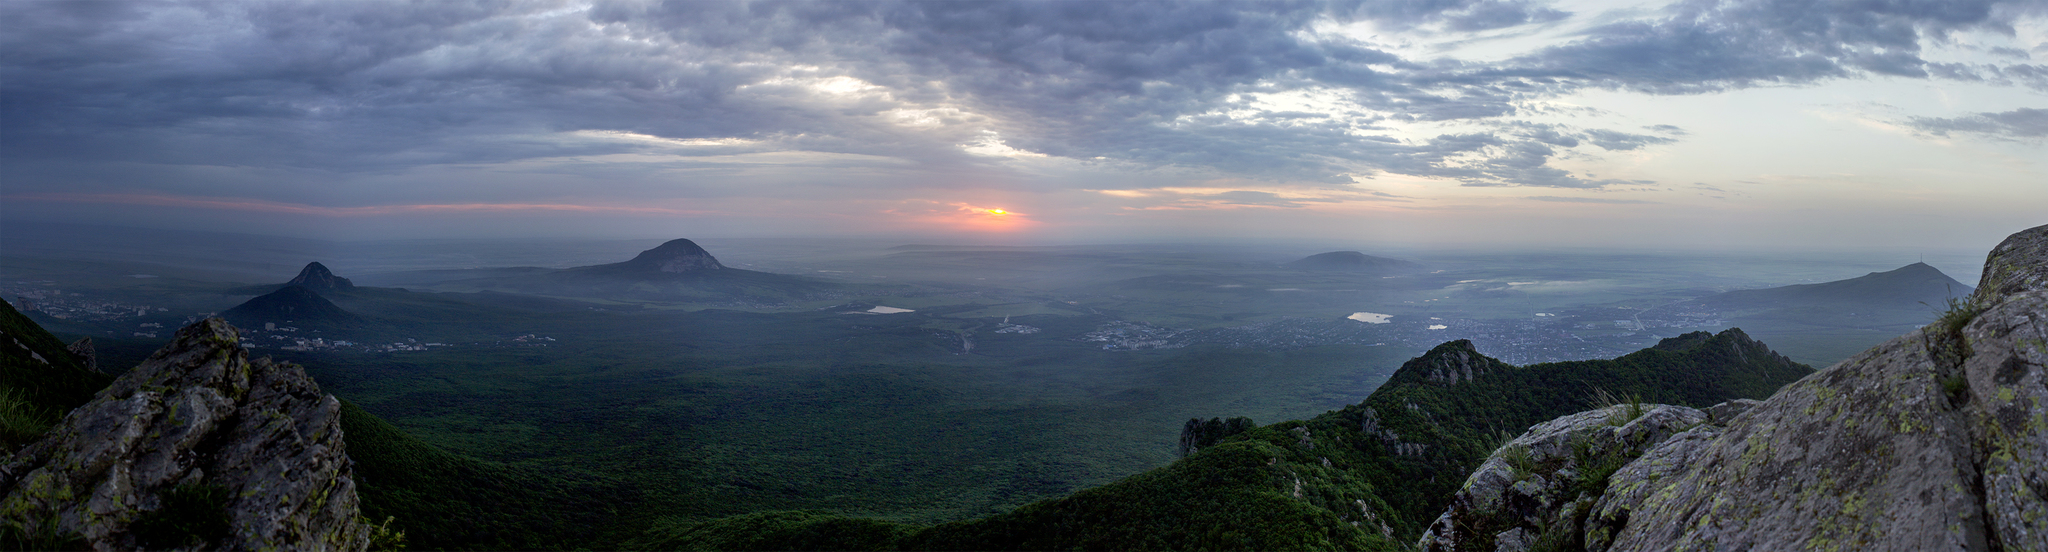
(1368, 477)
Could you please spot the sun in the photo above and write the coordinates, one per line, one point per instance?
(998, 212)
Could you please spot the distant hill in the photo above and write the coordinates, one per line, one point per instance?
(316, 277)
(1912, 285)
(1370, 476)
(1353, 261)
(293, 304)
(678, 256)
(1824, 323)
(678, 270)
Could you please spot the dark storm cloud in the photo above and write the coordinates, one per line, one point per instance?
(353, 87)
(2018, 123)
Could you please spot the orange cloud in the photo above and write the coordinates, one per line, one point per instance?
(961, 217)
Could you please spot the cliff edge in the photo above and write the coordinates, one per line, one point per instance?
(1935, 440)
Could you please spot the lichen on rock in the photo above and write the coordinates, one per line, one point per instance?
(199, 423)
(1936, 440)
(1538, 488)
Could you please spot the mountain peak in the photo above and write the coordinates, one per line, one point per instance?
(1450, 363)
(316, 277)
(678, 255)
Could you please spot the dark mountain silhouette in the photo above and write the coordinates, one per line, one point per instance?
(1911, 286)
(678, 270)
(1353, 261)
(316, 277)
(677, 256)
(294, 304)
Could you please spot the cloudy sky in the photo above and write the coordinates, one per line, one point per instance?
(1719, 123)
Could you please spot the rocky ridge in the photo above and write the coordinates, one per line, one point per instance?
(198, 447)
(1936, 440)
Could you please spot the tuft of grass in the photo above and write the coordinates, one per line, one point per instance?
(1635, 407)
(44, 535)
(1594, 467)
(21, 421)
(1520, 461)
(1956, 313)
(1947, 345)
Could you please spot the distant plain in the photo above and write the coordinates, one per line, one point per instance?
(1021, 373)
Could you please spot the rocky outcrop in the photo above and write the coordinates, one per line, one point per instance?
(1457, 361)
(86, 355)
(316, 277)
(1936, 440)
(196, 448)
(1537, 489)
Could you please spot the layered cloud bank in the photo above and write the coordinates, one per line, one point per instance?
(892, 116)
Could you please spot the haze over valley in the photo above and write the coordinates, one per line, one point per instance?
(1022, 275)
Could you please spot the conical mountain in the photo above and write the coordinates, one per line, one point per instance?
(294, 304)
(676, 256)
(1353, 261)
(316, 277)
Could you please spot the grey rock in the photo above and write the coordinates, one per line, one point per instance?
(1722, 413)
(1936, 440)
(1541, 484)
(197, 415)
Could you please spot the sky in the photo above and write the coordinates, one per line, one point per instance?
(1729, 124)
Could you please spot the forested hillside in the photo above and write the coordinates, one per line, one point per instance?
(1369, 476)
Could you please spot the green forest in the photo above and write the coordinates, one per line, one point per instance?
(1369, 475)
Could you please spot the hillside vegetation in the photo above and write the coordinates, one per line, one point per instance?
(1369, 477)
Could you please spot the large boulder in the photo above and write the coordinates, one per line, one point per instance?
(1936, 440)
(196, 448)
(1537, 489)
